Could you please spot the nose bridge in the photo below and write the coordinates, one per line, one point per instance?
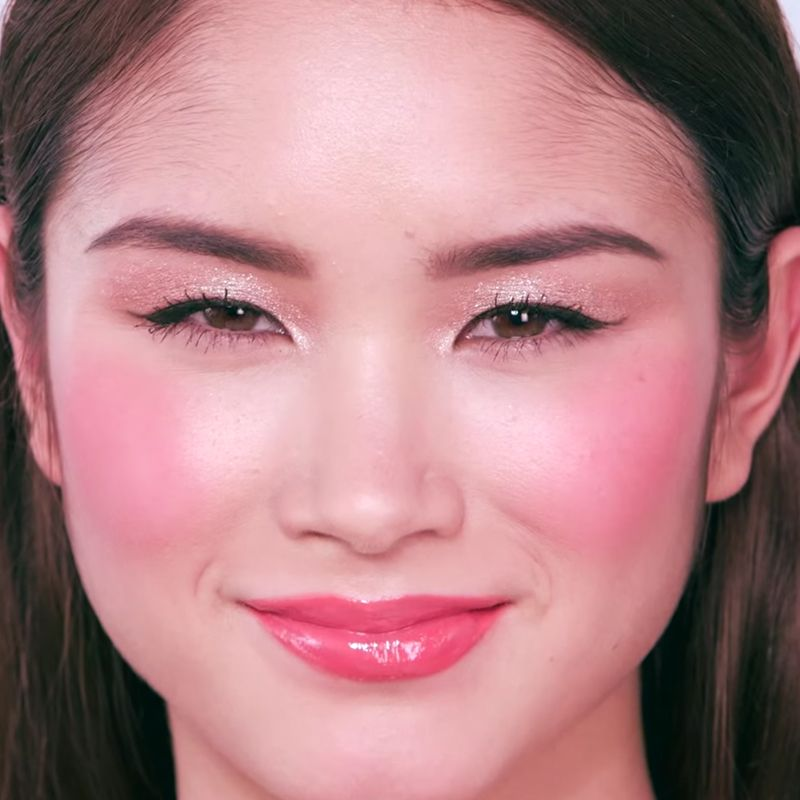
(371, 401)
(372, 469)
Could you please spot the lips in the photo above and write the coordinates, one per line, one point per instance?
(371, 616)
(408, 637)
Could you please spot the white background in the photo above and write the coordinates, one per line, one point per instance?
(792, 8)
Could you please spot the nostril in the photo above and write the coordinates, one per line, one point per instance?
(371, 519)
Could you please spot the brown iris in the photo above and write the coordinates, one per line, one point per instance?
(523, 323)
(232, 318)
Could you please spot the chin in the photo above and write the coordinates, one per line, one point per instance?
(438, 776)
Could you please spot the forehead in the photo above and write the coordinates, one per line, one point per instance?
(386, 104)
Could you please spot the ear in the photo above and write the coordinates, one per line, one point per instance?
(30, 377)
(757, 374)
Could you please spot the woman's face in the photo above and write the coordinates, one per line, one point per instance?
(359, 433)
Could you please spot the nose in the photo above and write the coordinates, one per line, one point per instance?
(368, 468)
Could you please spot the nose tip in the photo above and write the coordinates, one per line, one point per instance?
(373, 519)
(368, 463)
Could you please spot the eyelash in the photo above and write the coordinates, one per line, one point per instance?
(173, 318)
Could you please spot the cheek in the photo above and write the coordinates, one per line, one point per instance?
(128, 465)
(602, 460)
(639, 462)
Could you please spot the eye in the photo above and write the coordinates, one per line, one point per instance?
(507, 328)
(232, 318)
(516, 326)
(212, 320)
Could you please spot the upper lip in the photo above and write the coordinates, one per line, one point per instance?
(373, 616)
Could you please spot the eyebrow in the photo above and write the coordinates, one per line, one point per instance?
(533, 245)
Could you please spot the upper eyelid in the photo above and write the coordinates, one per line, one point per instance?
(562, 313)
(199, 303)
(202, 302)
(519, 304)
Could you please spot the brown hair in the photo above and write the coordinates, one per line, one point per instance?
(721, 689)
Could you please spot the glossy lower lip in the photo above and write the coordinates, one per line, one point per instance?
(424, 647)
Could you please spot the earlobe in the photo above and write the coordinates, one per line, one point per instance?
(757, 373)
(30, 378)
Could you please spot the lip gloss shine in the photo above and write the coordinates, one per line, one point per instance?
(385, 640)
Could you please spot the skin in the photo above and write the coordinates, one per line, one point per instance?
(365, 445)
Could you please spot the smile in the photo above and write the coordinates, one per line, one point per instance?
(409, 637)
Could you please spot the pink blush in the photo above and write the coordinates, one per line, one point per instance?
(637, 462)
(605, 460)
(127, 468)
